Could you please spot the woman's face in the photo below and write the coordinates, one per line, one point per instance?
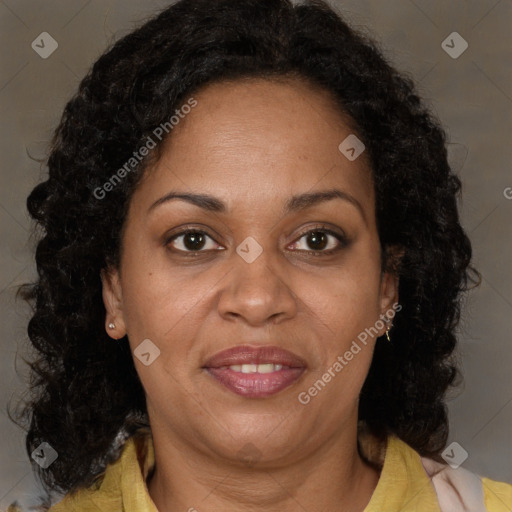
(250, 276)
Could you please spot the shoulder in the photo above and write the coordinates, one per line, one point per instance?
(135, 455)
(498, 495)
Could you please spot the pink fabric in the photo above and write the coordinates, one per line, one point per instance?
(458, 490)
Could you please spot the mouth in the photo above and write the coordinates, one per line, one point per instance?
(255, 372)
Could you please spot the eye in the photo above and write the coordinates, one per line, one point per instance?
(191, 240)
(321, 241)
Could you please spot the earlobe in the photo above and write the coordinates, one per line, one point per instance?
(112, 299)
(389, 295)
(389, 291)
(388, 301)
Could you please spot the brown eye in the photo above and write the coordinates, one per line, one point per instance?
(320, 241)
(191, 241)
(317, 240)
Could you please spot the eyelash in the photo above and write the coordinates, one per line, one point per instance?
(343, 242)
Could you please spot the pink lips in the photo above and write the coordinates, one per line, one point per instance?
(255, 385)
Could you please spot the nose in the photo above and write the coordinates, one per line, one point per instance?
(258, 292)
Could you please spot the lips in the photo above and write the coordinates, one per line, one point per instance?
(245, 354)
(255, 372)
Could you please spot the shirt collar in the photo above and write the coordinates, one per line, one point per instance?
(403, 482)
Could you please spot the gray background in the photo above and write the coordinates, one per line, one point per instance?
(471, 94)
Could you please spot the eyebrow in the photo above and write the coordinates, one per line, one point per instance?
(294, 204)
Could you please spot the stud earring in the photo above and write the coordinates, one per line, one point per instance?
(111, 325)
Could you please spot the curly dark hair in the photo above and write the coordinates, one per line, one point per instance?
(86, 397)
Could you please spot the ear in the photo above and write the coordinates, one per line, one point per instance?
(113, 301)
(388, 294)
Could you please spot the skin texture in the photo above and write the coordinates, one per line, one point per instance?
(253, 145)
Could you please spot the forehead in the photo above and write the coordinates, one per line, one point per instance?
(248, 139)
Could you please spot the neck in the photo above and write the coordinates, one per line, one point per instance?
(333, 477)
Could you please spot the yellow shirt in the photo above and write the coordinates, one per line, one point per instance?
(404, 484)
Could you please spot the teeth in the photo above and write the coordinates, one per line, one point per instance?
(249, 368)
(256, 368)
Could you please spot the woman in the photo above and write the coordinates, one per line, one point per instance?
(258, 209)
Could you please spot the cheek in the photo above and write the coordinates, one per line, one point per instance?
(170, 307)
(157, 303)
(156, 295)
(346, 298)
